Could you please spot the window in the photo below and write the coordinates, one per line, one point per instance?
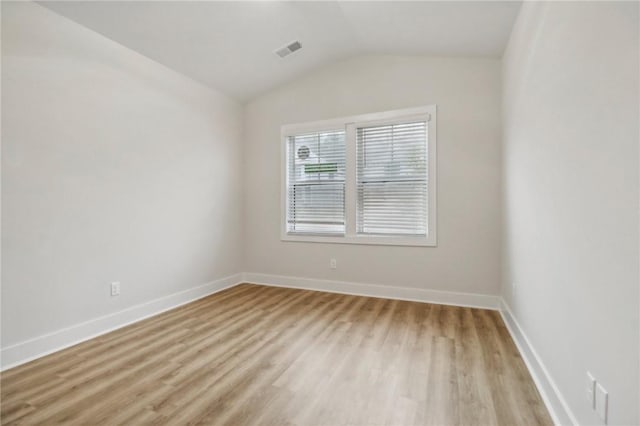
(315, 176)
(367, 179)
(392, 179)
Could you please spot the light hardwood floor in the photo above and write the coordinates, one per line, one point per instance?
(263, 355)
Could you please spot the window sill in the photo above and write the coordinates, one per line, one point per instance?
(366, 240)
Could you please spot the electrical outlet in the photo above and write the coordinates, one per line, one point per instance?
(115, 289)
(602, 402)
(590, 390)
(333, 264)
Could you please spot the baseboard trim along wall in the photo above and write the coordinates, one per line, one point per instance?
(551, 395)
(472, 300)
(40, 346)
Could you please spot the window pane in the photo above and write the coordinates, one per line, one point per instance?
(315, 183)
(392, 179)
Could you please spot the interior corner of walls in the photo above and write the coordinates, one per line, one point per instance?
(553, 399)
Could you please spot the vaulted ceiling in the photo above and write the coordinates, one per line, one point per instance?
(229, 45)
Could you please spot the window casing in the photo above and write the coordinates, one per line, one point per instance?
(366, 179)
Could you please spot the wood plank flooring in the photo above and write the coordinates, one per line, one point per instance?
(262, 355)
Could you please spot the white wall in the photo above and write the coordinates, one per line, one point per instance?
(114, 168)
(467, 92)
(571, 85)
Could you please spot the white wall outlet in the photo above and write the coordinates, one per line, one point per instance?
(590, 390)
(115, 289)
(333, 264)
(602, 402)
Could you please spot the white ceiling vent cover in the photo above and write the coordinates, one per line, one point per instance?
(288, 49)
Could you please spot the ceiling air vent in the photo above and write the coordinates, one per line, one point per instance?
(288, 49)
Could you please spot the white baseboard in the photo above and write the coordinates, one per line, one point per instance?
(553, 399)
(374, 290)
(40, 346)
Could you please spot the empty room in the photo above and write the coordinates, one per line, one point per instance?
(320, 213)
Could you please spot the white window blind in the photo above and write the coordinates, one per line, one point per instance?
(316, 183)
(391, 179)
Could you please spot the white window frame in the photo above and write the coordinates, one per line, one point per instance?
(349, 124)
